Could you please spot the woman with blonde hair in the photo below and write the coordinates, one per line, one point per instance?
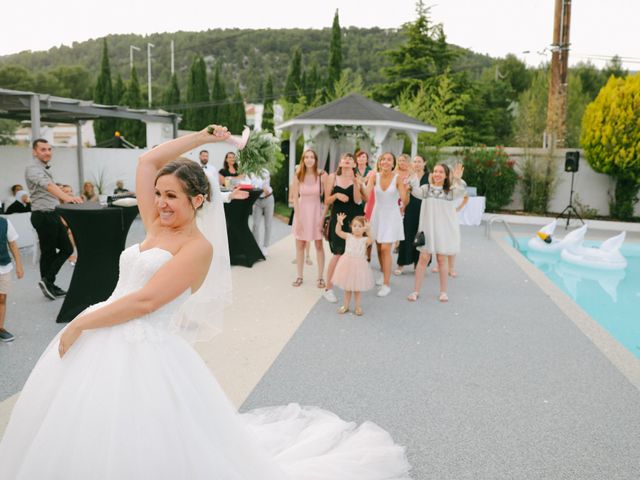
(306, 193)
(89, 193)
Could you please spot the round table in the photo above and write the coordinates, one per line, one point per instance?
(100, 233)
(243, 248)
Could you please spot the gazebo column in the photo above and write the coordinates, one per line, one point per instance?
(35, 116)
(292, 153)
(414, 143)
(80, 160)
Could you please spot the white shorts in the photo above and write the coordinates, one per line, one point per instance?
(5, 283)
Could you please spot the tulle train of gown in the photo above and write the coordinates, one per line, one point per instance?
(135, 401)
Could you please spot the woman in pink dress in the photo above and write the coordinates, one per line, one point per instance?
(308, 209)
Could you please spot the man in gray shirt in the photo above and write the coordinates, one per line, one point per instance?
(55, 246)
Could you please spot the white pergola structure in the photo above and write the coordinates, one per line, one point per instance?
(335, 128)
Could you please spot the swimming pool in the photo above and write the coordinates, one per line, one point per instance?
(611, 298)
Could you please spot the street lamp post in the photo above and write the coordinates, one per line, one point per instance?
(149, 47)
(131, 49)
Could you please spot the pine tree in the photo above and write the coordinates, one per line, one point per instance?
(172, 94)
(104, 128)
(133, 130)
(220, 112)
(335, 54)
(294, 77)
(197, 115)
(424, 56)
(267, 112)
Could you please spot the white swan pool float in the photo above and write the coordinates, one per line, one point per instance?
(545, 243)
(605, 257)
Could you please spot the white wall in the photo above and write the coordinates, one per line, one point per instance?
(110, 163)
(593, 188)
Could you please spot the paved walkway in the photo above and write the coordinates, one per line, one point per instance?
(500, 383)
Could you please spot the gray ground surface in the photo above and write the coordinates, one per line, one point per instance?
(31, 317)
(496, 384)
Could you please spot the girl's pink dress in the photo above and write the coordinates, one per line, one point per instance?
(352, 272)
(309, 213)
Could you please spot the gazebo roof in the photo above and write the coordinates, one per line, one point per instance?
(355, 110)
(16, 105)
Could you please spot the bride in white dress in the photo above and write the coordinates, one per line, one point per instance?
(121, 394)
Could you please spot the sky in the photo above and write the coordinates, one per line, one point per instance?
(599, 29)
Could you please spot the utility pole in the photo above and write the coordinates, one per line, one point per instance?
(131, 49)
(556, 132)
(173, 57)
(149, 46)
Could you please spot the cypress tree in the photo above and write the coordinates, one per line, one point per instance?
(197, 116)
(267, 112)
(119, 90)
(335, 54)
(133, 130)
(294, 77)
(238, 114)
(172, 94)
(220, 112)
(104, 128)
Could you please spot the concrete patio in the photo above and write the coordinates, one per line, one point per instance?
(508, 380)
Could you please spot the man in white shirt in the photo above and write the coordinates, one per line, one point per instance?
(203, 156)
(263, 208)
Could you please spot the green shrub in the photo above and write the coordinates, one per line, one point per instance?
(492, 172)
(538, 181)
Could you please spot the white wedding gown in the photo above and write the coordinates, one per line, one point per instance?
(134, 401)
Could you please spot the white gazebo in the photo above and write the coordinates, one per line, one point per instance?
(336, 127)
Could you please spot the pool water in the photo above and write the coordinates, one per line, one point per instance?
(612, 298)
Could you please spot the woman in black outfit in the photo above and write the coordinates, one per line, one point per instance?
(407, 254)
(344, 198)
(229, 168)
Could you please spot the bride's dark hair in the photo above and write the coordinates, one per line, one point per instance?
(191, 176)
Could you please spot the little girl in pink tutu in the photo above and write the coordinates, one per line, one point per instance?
(352, 272)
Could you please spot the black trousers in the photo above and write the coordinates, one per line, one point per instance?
(55, 246)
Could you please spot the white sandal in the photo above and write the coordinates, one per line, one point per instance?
(413, 296)
(443, 297)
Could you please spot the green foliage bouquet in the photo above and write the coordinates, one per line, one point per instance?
(262, 151)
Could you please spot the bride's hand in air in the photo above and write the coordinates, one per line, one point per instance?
(68, 338)
(216, 133)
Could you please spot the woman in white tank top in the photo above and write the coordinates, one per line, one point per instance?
(386, 220)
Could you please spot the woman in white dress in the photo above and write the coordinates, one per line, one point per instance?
(386, 219)
(438, 222)
(121, 394)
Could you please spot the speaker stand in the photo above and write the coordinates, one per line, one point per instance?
(570, 208)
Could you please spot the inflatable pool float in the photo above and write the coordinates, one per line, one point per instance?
(605, 257)
(574, 276)
(544, 242)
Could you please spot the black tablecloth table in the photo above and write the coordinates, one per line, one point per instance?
(243, 249)
(100, 233)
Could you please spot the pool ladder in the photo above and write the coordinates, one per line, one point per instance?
(490, 222)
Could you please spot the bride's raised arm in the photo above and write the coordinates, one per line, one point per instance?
(152, 161)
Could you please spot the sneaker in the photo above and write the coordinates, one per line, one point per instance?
(380, 280)
(57, 291)
(384, 291)
(45, 286)
(5, 336)
(329, 296)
